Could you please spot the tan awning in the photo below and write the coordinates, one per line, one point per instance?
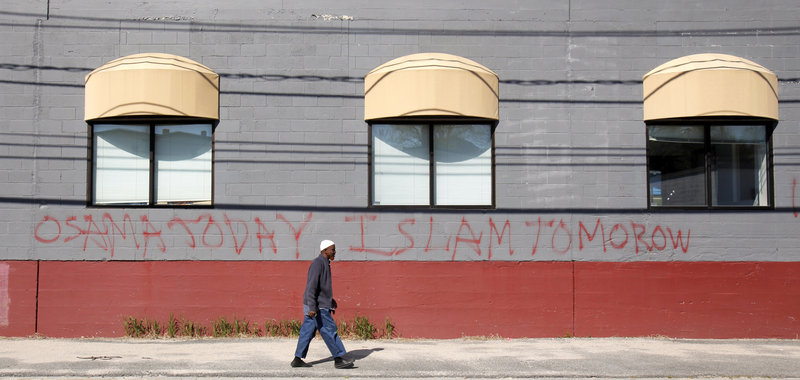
(431, 84)
(710, 85)
(152, 84)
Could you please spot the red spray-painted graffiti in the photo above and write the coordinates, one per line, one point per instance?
(49, 231)
(658, 239)
(471, 239)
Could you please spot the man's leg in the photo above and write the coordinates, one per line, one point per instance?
(330, 334)
(307, 331)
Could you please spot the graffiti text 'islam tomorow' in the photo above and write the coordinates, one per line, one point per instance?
(92, 232)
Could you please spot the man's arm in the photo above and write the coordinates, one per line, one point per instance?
(312, 285)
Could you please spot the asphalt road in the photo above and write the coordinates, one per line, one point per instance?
(460, 358)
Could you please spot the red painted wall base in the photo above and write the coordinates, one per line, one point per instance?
(423, 299)
(689, 300)
(17, 298)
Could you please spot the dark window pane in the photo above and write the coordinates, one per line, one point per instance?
(739, 166)
(676, 165)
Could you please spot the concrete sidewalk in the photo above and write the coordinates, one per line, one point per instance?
(460, 358)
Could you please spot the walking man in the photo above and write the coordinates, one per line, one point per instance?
(318, 304)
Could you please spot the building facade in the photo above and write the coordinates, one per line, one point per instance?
(516, 168)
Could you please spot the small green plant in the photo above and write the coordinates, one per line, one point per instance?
(242, 328)
(388, 328)
(192, 329)
(137, 328)
(134, 328)
(155, 329)
(285, 328)
(293, 327)
(363, 328)
(344, 328)
(272, 328)
(360, 327)
(222, 328)
(172, 326)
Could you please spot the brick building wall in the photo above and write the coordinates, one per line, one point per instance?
(570, 247)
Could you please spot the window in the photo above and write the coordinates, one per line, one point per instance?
(150, 164)
(163, 155)
(431, 165)
(709, 165)
(431, 124)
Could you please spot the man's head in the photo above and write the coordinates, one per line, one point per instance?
(328, 249)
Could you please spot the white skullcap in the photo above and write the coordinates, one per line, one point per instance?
(325, 244)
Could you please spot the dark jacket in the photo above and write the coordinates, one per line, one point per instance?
(319, 290)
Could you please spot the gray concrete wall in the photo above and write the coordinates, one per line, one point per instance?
(291, 164)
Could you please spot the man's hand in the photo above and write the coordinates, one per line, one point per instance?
(312, 313)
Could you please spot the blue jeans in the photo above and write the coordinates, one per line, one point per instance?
(327, 329)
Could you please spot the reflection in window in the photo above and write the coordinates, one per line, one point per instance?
(400, 165)
(456, 169)
(121, 164)
(183, 164)
(677, 166)
(463, 164)
(708, 166)
(739, 165)
(180, 173)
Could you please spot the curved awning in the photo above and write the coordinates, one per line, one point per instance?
(431, 84)
(710, 85)
(152, 84)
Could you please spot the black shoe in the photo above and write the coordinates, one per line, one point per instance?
(297, 362)
(342, 363)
